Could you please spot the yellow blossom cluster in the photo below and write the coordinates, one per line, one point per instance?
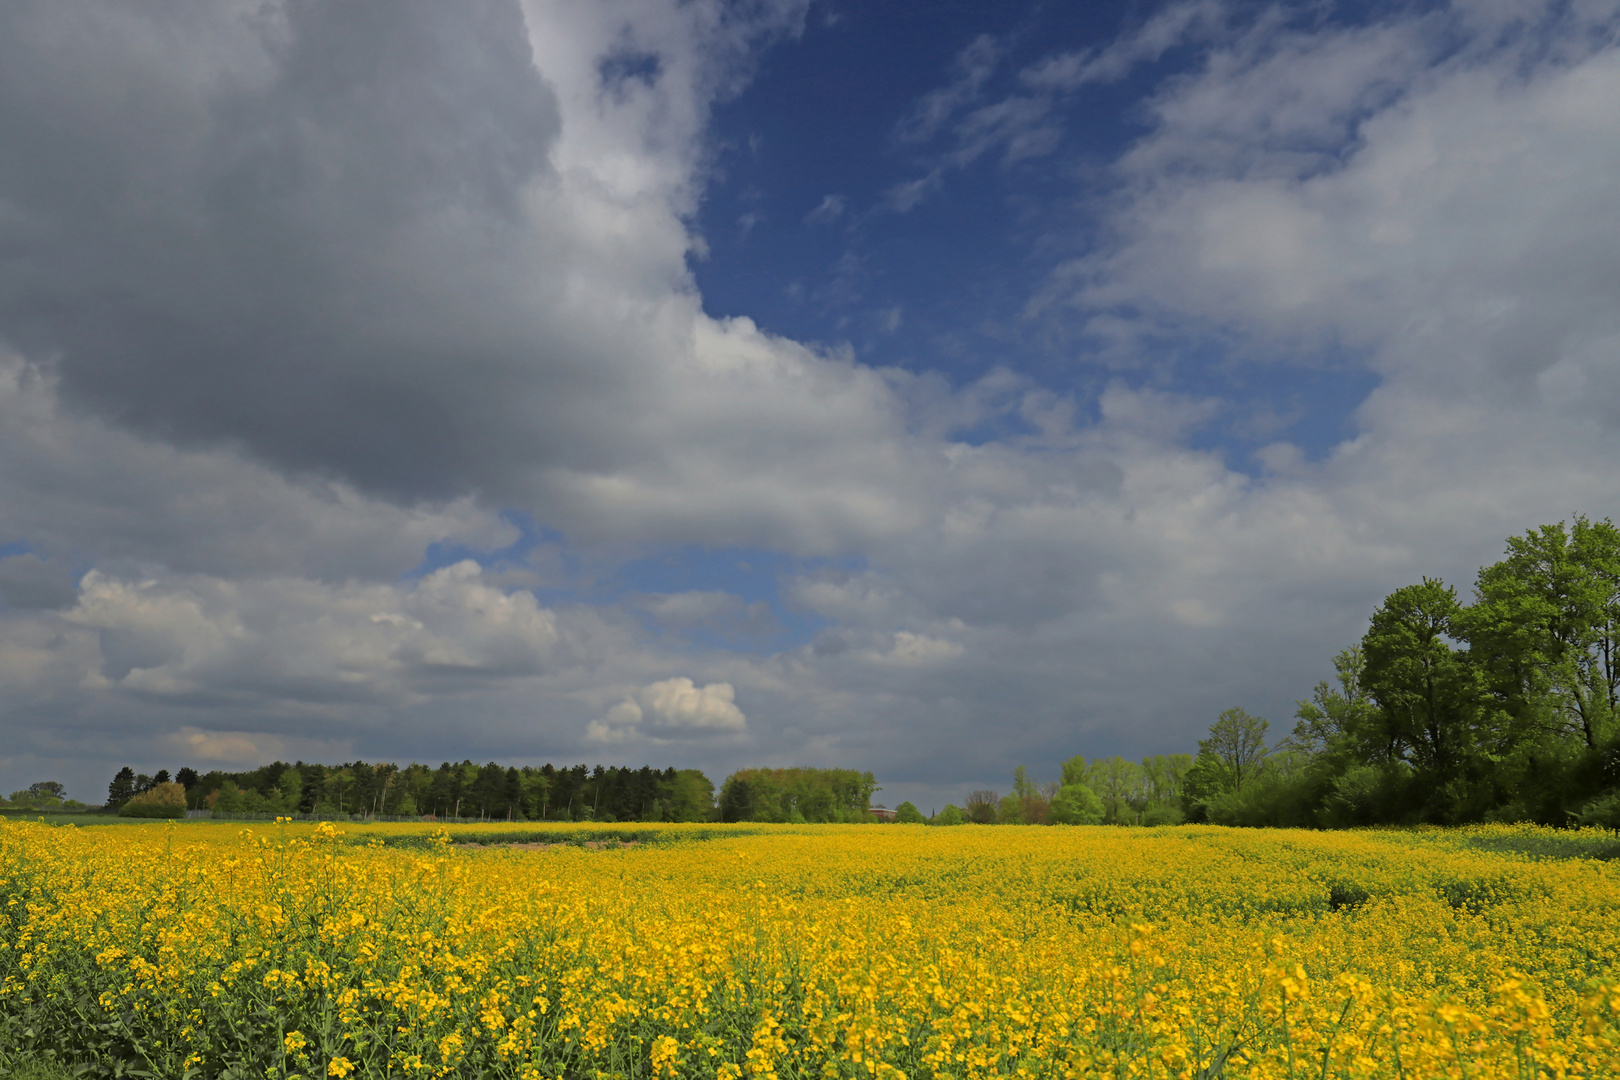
(828, 951)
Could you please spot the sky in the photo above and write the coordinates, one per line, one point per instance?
(924, 388)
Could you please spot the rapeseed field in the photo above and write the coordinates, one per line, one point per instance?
(833, 951)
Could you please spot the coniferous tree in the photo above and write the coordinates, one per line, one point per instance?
(122, 788)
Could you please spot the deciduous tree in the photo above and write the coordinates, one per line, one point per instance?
(1238, 741)
(1422, 686)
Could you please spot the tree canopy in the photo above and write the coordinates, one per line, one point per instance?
(1500, 709)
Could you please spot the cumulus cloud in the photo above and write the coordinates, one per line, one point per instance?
(672, 709)
(285, 641)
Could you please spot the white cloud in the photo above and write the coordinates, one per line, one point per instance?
(672, 709)
(1174, 25)
(974, 66)
(301, 645)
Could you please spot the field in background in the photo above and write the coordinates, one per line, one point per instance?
(61, 817)
(782, 951)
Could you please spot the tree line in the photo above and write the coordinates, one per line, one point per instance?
(1102, 791)
(1502, 708)
(1505, 708)
(500, 793)
(452, 791)
(44, 795)
(797, 795)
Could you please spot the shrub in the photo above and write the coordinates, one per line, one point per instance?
(1365, 795)
(163, 801)
(1603, 810)
(1164, 815)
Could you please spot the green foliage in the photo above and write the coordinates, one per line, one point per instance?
(1339, 723)
(33, 1068)
(1121, 786)
(1207, 779)
(1602, 811)
(1277, 794)
(688, 797)
(1545, 631)
(162, 801)
(951, 815)
(908, 813)
(453, 791)
(1500, 710)
(1027, 804)
(981, 806)
(1238, 740)
(1111, 790)
(1423, 687)
(45, 795)
(122, 788)
(815, 795)
(1076, 804)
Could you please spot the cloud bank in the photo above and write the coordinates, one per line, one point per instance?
(294, 296)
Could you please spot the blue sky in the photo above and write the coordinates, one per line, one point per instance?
(804, 233)
(807, 235)
(933, 389)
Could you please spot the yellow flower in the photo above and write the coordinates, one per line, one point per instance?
(776, 951)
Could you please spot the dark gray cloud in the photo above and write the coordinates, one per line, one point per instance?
(297, 229)
(27, 581)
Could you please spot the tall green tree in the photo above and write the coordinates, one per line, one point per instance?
(980, 806)
(1076, 804)
(1340, 722)
(1121, 784)
(801, 794)
(122, 788)
(1422, 686)
(1025, 805)
(1238, 741)
(686, 795)
(1545, 631)
(1164, 774)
